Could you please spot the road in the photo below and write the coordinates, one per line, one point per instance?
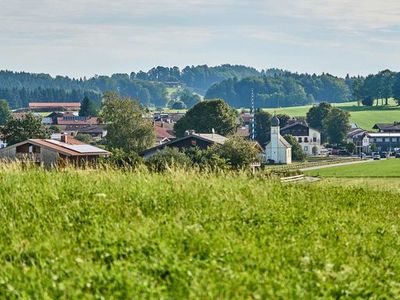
(337, 165)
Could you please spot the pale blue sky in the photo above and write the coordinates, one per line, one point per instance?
(83, 38)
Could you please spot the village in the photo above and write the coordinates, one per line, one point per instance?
(80, 138)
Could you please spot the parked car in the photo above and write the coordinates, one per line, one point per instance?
(376, 156)
(343, 153)
(384, 154)
(363, 155)
(397, 155)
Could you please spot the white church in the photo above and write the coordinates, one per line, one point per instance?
(278, 150)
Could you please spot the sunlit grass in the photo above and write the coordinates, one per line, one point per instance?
(137, 235)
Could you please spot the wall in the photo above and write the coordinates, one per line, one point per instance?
(49, 158)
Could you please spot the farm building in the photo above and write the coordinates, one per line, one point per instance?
(54, 106)
(50, 153)
(191, 139)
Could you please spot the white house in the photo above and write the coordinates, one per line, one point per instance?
(308, 138)
(278, 149)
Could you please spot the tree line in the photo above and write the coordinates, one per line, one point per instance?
(282, 89)
(377, 88)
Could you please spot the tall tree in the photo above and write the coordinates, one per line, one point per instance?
(262, 126)
(396, 88)
(5, 112)
(206, 116)
(88, 108)
(316, 116)
(28, 127)
(297, 151)
(126, 129)
(356, 89)
(336, 125)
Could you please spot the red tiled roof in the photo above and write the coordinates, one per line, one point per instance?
(90, 121)
(54, 104)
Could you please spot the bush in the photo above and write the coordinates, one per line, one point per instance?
(297, 152)
(238, 152)
(121, 159)
(84, 138)
(166, 159)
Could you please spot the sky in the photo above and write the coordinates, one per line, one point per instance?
(87, 37)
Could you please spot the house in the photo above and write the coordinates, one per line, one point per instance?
(384, 141)
(278, 150)
(50, 153)
(191, 139)
(71, 120)
(54, 106)
(359, 137)
(308, 138)
(387, 127)
(164, 132)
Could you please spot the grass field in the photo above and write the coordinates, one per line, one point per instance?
(381, 168)
(109, 234)
(365, 117)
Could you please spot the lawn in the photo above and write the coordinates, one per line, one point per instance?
(382, 168)
(119, 235)
(364, 116)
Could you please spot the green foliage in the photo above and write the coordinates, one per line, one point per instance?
(379, 86)
(336, 125)
(5, 112)
(208, 159)
(396, 88)
(206, 116)
(187, 97)
(84, 138)
(263, 126)
(284, 89)
(297, 151)
(168, 158)
(54, 129)
(88, 108)
(125, 160)
(351, 147)
(28, 127)
(178, 105)
(134, 235)
(283, 119)
(126, 129)
(374, 147)
(238, 152)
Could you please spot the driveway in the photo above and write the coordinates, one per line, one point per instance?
(337, 165)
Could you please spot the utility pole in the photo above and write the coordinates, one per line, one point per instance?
(253, 119)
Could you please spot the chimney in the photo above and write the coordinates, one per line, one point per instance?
(64, 138)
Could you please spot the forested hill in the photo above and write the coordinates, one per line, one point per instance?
(199, 78)
(21, 88)
(283, 89)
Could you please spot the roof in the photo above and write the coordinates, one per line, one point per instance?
(64, 148)
(383, 134)
(77, 121)
(283, 141)
(275, 121)
(387, 126)
(208, 137)
(54, 104)
(164, 130)
(356, 133)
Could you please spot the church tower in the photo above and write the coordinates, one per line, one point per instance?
(275, 137)
(278, 150)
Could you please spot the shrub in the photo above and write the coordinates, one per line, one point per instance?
(166, 159)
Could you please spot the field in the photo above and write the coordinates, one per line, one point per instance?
(381, 168)
(365, 117)
(112, 234)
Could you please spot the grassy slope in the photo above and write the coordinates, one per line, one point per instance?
(383, 168)
(365, 117)
(88, 234)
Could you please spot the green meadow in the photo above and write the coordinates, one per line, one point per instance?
(389, 168)
(365, 117)
(109, 234)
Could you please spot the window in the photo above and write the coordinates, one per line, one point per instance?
(387, 140)
(305, 148)
(300, 140)
(378, 140)
(314, 139)
(306, 140)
